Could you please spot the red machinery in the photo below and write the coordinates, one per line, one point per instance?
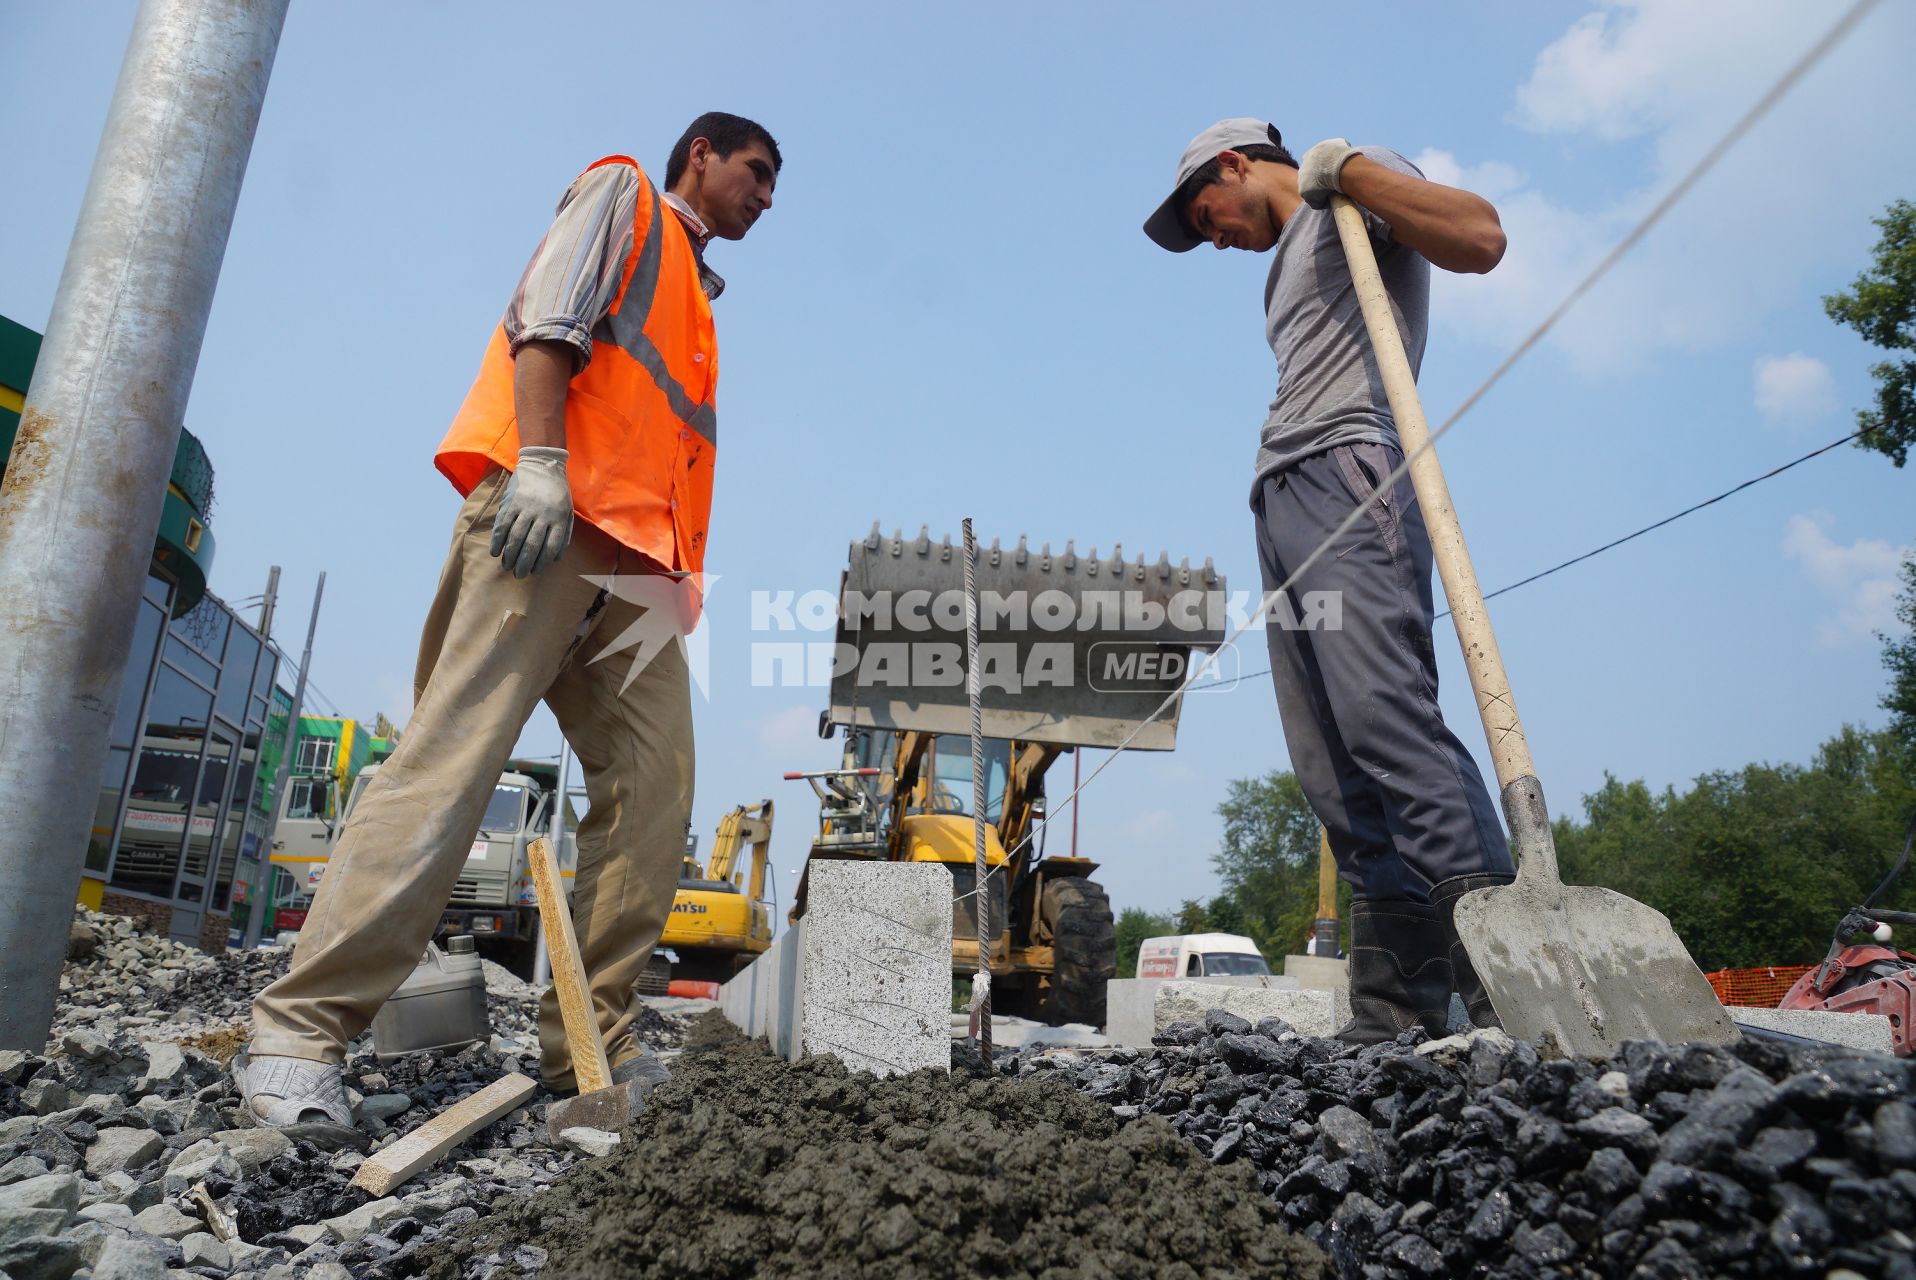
(1864, 974)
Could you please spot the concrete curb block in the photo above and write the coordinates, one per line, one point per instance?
(865, 974)
(1130, 1004)
(1851, 1030)
(1312, 1013)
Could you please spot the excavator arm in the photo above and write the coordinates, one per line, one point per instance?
(747, 824)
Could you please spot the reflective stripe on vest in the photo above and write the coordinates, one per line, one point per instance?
(623, 331)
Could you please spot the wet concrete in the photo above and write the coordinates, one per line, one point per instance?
(746, 1165)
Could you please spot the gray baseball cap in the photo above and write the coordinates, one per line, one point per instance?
(1164, 225)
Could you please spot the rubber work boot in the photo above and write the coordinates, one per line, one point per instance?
(298, 1096)
(1463, 974)
(1399, 970)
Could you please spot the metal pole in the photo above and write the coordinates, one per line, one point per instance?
(981, 896)
(87, 479)
(269, 602)
(1077, 775)
(262, 877)
(541, 959)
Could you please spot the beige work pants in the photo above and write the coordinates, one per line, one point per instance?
(493, 646)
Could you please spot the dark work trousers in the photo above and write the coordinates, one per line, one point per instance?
(1399, 795)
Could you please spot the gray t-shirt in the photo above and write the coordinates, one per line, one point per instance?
(1328, 389)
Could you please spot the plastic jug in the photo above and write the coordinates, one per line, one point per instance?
(441, 1005)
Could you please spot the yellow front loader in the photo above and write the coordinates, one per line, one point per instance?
(1075, 651)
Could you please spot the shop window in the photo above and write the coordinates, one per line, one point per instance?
(106, 811)
(236, 683)
(139, 666)
(162, 792)
(204, 626)
(316, 755)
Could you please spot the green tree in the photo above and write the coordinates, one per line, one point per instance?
(1899, 655)
(1135, 925)
(1268, 862)
(1753, 866)
(1881, 306)
(1193, 918)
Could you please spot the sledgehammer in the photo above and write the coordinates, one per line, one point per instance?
(602, 1102)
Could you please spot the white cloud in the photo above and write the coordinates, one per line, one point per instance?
(1860, 579)
(1795, 388)
(1663, 80)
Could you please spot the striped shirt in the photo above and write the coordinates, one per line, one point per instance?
(569, 285)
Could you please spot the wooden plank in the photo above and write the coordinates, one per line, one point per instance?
(426, 1144)
(589, 1066)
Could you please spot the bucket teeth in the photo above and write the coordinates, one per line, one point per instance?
(873, 538)
(1091, 564)
(1210, 573)
(1070, 554)
(923, 545)
(995, 553)
(1138, 569)
(1164, 564)
(1184, 572)
(1044, 559)
(1022, 553)
(897, 542)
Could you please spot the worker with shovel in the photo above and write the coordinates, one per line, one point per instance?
(1409, 819)
(585, 453)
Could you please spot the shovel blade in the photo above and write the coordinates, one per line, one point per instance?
(1584, 969)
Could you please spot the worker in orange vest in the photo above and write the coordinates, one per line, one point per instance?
(585, 453)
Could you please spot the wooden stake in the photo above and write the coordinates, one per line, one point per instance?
(589, 1066)
(433, 1139)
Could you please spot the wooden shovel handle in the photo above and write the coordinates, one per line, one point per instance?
(1509, 750)
(589, 1066)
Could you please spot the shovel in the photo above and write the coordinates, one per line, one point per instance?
(1580, 970)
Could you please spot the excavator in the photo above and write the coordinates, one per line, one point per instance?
(721, 919)
(1075, 651)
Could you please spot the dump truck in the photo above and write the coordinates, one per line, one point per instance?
(721, 919)
(1074, 651)
(493, 899)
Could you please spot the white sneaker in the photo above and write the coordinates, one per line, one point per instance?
(281, 1093)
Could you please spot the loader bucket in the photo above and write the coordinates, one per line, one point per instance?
(1074, 650)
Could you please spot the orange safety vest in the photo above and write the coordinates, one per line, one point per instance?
(641, 428)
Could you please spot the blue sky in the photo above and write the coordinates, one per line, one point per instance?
(950, 311)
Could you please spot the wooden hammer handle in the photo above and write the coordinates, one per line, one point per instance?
(589, 1066)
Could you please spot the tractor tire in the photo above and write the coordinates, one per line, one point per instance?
(1084, 950)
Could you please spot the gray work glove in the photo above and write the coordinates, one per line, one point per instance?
(1317, 173)
(534, 523)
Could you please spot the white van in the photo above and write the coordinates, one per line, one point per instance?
(1201, 955)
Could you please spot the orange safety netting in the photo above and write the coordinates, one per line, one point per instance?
(1756, 988)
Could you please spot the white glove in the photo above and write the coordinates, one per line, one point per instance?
(534, 523)
(1317, 173)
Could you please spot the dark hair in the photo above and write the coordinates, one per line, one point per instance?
(1211, 171)
(727, 133)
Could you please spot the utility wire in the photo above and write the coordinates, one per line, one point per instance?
(1597, 551)
(1683, 186)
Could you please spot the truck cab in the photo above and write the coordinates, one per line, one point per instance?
(1201, 955)
(493, 899)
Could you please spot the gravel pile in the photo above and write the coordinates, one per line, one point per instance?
(105, 1136)
(1470, 1156)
